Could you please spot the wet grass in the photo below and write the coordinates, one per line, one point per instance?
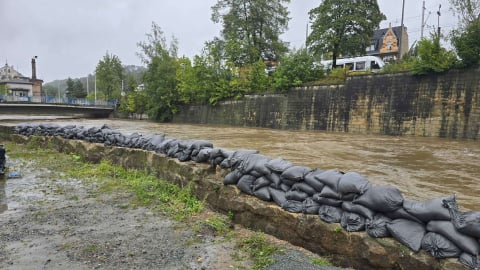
(259, 249)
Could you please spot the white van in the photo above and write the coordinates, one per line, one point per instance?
(361, 63)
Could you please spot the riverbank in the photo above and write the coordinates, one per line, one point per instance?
(56, 221)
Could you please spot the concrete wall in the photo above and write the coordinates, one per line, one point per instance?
(443, 105)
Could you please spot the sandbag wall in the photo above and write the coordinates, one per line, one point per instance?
(436, 225)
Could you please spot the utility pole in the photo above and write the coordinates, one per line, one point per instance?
(438, 23)
(423, 20)
(88, 77)
(401, 32)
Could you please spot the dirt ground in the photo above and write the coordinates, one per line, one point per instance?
(53, 222)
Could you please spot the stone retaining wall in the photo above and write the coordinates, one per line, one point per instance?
(356, 250)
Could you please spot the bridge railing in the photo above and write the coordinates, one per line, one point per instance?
(57, 100)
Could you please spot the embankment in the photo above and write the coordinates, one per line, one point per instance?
(437, 105)
(346, 249)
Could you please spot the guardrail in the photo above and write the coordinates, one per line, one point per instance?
(57, 100)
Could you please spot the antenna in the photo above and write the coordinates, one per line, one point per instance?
(439, 14)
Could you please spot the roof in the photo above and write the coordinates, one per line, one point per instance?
(378, 35)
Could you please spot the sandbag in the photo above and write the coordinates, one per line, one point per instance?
(278, 165)
(254, 162)
(292, 206)
(377, 227)
(358, 209)
(328, 192)
(467, 223)
(352, 182)
(263, 194)
(407, 232)
(203, 155)
(446, 228)
(352, 222)
(428, 210)
(381, 198)
(304, 187)
(260, 183)
(296, 195)
(232, 177)
(470, 261)
(236, 157)
(312, 181)
(284, 187)
(330, 214)
(329, 178)
(310, 206)
(295, 173)
(245, 183)
(327, 201)
(401, 213)
(439, 246)
(278, 196)
(275, 179)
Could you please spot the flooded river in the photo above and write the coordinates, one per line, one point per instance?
(422, 168)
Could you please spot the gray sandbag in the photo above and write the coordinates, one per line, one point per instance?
(465, 222)
(330, 214)
(296, 195)
(263, 194)
(447, 229)
(254, 162)
(428, 210)
(260, 183)
(295, 173)
(327, 201)
(352, 222)
(292, 206)
(470, 261)
(377, 227)
(245, 183)
(328, 192)
(401, 213)
(358, 209)
(312, 181)
(200, 144)
(349, 197)
(256, 174)
(285, 187)
(278, 196)
(330, 178)
(381, 198)
(278, 165)
(219, 153)
(288, 182)
(304, 187)
(236, 157)
(407, 232)
(310, 206)
(203, 155)
(439, 246)
(352, 182)
(275, 179)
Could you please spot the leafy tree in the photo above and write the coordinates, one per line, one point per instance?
(78, 90)
(468, 11)
(109, 72)
(343, 27)
(251, 29)
(160, 76)
(296, 68)
(432, 57)
(186, 81)
(70, 88)
(467, 44)
(259, 81)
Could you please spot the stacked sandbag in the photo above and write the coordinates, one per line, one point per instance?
(436, 225)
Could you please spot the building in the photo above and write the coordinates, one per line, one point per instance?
(387, 45)
(21, 88)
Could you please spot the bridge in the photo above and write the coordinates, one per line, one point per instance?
(43, 105)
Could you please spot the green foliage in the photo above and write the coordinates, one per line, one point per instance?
(251, 29)
(467, 11)
(3, 89)
(320, 261)
(432, 58)
(343, 28)
(467, 44)
(160, 76)
(109, 76)
(295, 69)
(75, 89)
(259, 81)
(259, 250)
(218, 223)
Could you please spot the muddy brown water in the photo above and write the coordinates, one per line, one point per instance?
(422, 168)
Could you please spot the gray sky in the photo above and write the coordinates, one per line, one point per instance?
(70, 37)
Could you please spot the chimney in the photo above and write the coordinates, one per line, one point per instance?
(34, 68)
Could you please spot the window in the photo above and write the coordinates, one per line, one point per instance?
(360, 66)
(374, 65)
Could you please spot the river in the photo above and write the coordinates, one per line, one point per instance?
(422, 168)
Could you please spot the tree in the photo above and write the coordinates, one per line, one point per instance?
(343, 27)
(78, 90)
(109, 72)
(69, 91)
(251, 29)
(468, 11)
(467, 44)
(160, 76)
(296, 68)
(431, 57)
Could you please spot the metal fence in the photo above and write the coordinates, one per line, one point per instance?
(57, 100)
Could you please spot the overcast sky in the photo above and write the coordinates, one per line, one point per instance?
(70, 37)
